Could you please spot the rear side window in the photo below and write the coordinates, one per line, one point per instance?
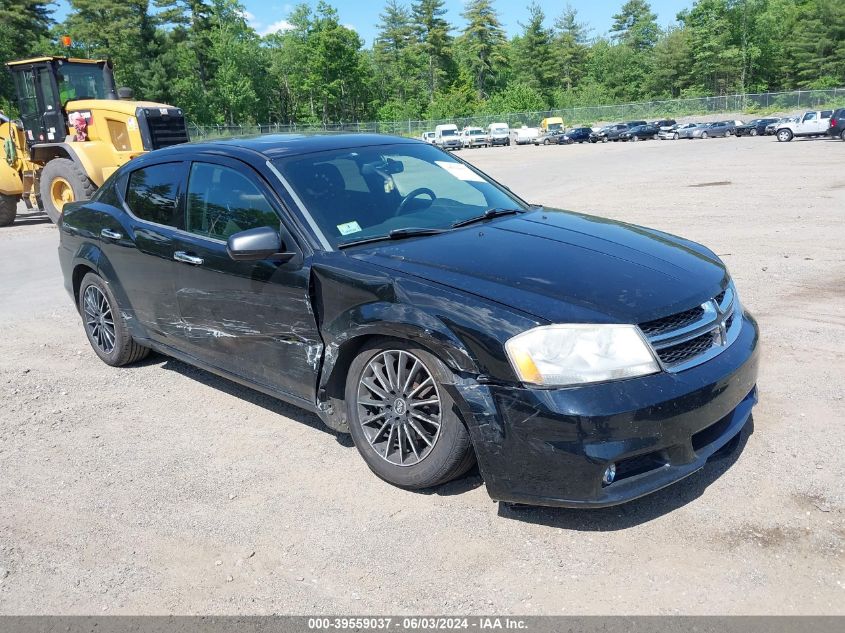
(152, 193)
(222, 202)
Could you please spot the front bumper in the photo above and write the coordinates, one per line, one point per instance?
(552, 447)
(499, 140)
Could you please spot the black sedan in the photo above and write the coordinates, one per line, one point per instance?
(640, 133)
(406, 298)
(757, 127)
(578, 135)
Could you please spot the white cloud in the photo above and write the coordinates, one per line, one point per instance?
(280, 25)
(351, 27)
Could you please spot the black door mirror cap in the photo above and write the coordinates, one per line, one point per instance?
(257, 244)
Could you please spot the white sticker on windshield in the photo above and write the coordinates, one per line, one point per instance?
(349, 228)
(459, 171)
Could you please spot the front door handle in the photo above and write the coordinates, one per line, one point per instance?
(111, 235)
(186, 258)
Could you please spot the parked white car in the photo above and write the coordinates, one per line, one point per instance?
(499, 134)
(428, 137)
(813, 123)
(524, 135)
(474, 137)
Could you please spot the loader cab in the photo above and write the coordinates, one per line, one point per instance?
(45, 85)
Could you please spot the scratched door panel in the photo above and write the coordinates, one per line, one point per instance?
(253, 319)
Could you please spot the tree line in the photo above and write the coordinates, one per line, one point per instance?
(205, 57)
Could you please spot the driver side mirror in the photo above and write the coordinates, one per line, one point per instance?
(257, 244)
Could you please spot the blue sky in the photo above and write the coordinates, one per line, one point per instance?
(267, 15)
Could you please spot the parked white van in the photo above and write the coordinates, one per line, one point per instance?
(499, 134)
(474, 137)
(447, 136)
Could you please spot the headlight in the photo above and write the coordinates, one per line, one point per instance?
(564, 355)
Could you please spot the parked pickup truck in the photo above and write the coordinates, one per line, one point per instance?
(814, 123)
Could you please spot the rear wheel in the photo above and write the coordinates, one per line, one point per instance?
(728, 133)
(402, 419)
(704, 135)
(842, 135)
(753, 131)
(104, 324)
(8, 209)
(785, 135)
(63, 181)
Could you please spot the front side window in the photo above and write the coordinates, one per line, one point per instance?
(404, 186)
(222, 201)
(810, 116)
(81, 81)
(152, 193)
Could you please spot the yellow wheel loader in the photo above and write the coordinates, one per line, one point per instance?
(75, 129)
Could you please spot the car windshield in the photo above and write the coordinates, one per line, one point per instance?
(448, 132)
(369, 192)
(499, 130)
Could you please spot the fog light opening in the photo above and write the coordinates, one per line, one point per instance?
(609, 475)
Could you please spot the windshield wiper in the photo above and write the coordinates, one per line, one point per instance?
(487, 215)
(395, 234)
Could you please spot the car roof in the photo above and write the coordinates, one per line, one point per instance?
(272, 146)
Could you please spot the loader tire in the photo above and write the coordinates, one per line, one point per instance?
(8, 209)
(63, 181)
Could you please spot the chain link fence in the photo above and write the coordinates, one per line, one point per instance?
(762, 103)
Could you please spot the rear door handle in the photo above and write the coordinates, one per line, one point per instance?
(111, 235)
(186, 258)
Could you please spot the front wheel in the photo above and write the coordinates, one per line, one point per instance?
(704, 135)
(63, 181)
(676, 136)
(785, 135)
(753, 132)
(104, 324)
(8, 209)
(402, 419)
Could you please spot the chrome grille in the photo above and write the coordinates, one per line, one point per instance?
(689, 338)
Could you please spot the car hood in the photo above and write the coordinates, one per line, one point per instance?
(562, 266)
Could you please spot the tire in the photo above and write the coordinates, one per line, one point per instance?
(705, 135)
(545, 141)
(59, 172)
(728, 133)
(635, 138)
(449, 453)
(676, 136)
(785, 135)
(604, 139)
(753, 132)
(842, 135)
(8, 209)
(96, 300)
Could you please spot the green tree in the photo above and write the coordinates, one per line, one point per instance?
(394, 54)
(535, 65)
(636, 25)
(434, 42)
(483, 41)
(121, 30)
(817, 50)
(571, 47)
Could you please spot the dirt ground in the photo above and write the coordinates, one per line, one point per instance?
(162, 489)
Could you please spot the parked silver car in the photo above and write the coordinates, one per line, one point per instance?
(675, 132)
(713, 130)
(687, 130)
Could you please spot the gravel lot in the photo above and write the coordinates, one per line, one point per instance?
(163, 489)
